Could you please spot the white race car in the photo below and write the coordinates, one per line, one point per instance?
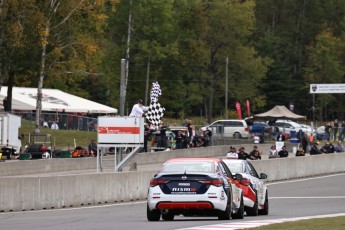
(195, 187)
(255, 195)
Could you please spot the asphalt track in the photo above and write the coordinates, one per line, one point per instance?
(288, 199)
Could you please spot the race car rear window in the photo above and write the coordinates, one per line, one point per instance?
(181, 167)
(235, 168)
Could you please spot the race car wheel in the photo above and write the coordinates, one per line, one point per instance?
(153, 215)
(168, 216)
(240, 212)
(254, 211)
(265, 210)
(226, 215)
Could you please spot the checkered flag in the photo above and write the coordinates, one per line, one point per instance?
(155, 91)
(155, 111)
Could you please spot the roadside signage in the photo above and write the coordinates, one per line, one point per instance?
(327, 88)
(120, 131)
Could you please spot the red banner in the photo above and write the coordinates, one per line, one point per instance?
(239, 111)
(248, 107)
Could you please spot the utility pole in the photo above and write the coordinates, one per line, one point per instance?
(123, 87)
(226, 87)
(147, 80)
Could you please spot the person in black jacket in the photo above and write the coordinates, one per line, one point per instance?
(280, 137)
(314, 149)
(242, 154)
(304, 142)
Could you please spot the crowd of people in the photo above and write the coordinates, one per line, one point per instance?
(273, 152)
(255, 154)
(165, 136)
(334, 130)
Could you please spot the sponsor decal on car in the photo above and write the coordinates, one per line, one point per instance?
(222, 197)
(184, 184)
(183, 190)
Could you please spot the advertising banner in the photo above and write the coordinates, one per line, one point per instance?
(239, 111)
(327, 88)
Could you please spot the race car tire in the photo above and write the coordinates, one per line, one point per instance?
(265, 210)
(254, 211)
(240, 212)
(226, 215)
(168, 217)
(153, 215)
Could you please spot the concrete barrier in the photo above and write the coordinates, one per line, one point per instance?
(42, 166)
(43, 192)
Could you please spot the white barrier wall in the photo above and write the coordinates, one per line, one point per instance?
(19, 167)
(36, 193)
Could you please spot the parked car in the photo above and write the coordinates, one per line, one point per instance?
(229, 128)
(320, 133)
(287, 127)
(195, 187)
(256, 195)
(259, 127)
(306, 128)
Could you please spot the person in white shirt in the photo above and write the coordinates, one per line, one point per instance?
(273, 152)
(54, 125)
(138, 109)
(232, 154)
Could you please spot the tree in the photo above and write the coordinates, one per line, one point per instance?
(326, 65)
(68, 45)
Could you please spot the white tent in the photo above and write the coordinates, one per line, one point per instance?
(52, 100)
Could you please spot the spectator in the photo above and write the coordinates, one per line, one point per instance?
(300, 152)
(147, 135)
(190, 131)
(280, 137)
(5, 104)
(138, 109)
(328, 128)
(196, 141)
(255, 154)
(304, 142)
(242, 154)
(232, 154)
(207, 137)
(54, 125)
(342, 132)
(180, 140)
(273, 152)
(283, 152)
(327, 148)
(331, 148)
(335, 128)
(339, 147)
(93, 148)
(314, 149)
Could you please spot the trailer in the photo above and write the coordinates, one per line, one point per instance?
(10, 142)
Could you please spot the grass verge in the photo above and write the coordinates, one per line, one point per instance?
(334, 223)
(61, 139)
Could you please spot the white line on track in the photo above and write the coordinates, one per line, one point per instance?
(304, 179)
(308, 197)
(256, 223)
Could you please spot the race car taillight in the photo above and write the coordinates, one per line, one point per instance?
(215, 182)
(155, 182)
(245, 181)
